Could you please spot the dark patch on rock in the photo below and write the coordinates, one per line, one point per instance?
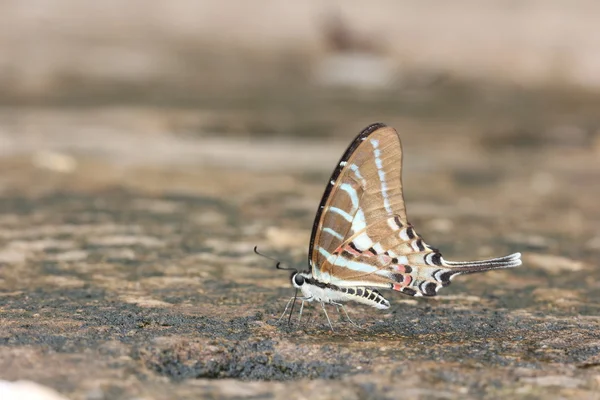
(248, 360)
(133, 277)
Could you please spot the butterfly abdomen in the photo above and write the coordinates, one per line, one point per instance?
(314, 290)
(366, 296)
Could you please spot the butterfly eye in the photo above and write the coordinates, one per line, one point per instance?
(298, 280)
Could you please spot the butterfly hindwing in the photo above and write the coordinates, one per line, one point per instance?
(400, 261)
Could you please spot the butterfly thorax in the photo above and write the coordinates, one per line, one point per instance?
(314, 290)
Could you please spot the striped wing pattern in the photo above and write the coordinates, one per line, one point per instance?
(361, 236)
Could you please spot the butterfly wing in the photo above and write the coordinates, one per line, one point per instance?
(361, 236)
(365, 186)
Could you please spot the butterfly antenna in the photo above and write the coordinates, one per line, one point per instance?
(278, 263)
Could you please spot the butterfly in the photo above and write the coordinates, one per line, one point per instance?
(361, 239)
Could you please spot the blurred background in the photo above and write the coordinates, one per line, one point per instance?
(310, 68)
(163, 96)
(497, 97)
(274, 67)
(102, 86)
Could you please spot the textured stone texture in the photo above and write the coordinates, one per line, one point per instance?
(126, 264)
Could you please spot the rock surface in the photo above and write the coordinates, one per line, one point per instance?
(127, 271)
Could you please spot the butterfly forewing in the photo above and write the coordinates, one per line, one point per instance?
(362, 206)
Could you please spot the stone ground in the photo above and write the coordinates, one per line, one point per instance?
(127, 271)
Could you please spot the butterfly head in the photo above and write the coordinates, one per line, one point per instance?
(298, 279)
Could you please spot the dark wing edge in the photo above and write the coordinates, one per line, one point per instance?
(334, 176)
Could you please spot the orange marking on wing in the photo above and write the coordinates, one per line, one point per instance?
(407, 280)
(401, 268)
(385, 260)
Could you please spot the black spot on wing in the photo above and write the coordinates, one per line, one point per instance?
(445, 277)
(347, 254)
(428, 288)
(410, 232)
(436, 259)
(398, 222)
(420, 245)
(353, 246)
(408, 291)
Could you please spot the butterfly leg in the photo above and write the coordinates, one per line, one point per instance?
(303, 299)
(349, 319)
(327, 316)
(340, 305)
(301, 308)
(285, 310)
